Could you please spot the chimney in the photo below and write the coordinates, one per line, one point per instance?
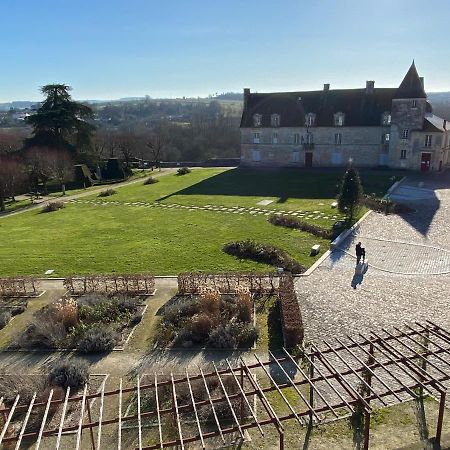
(246, 94)
(326, 87)
(422, 81)
(370, 85)
(445, 124)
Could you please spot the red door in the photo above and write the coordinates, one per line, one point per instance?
(425, 162)
(308, 159)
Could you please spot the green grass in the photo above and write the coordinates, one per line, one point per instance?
(83, 238)
(13, 206)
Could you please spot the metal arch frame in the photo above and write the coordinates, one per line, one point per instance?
(351, 369)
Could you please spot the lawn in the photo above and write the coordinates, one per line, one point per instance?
(85, 238)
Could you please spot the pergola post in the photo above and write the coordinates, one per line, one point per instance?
(281, 433)
(440, 417)
(311, 390)
(368, 377)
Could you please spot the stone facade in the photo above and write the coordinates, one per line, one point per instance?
(328, 129)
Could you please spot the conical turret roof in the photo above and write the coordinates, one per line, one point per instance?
(411, 86)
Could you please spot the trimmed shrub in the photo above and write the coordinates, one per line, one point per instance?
(221, 337)
(179, 310)
(183, 171)
(107, 193)
(66, 312)
(291, 315)
(210, 302)
(73, 373)
(5, 317)
(97, 340)
(263, 253)
(384, 205)
(91, 299)
(151, 180)
(53, 206)
(245, 333)
(137, 318)
(297, 224)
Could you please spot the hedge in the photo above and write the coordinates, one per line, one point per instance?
(297, 224)
(263, 253)
(291, 316)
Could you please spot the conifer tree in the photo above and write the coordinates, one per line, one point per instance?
(350, 194)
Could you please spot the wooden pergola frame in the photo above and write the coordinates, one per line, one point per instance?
(343, 377)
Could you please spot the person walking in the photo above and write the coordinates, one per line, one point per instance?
(360, 253)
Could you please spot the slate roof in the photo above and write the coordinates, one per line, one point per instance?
(360, 108)
(411, 86)
(435, 123)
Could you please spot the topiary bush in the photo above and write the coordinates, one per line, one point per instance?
(53, 206)
(18, 310)
(297, 224)
(97, 340)
(5, 317)
(263, 253)
(183, 171)
(151, 180)
(107, 193)
(73, 373)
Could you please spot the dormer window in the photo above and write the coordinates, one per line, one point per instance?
(386, 119)
(310, 119)
(339, 119)
(257, 120)
(275, 120)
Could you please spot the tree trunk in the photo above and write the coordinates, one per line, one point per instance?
(2, 202)
(63, 188)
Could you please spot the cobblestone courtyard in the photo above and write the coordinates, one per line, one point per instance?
(336, 301)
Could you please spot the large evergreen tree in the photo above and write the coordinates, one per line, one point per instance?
(350, 194)
(60, 122)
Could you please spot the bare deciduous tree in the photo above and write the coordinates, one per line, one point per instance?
(12, 178)
(61, 167)
(156, 144)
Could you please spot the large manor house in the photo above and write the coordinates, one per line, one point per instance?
(390, 127)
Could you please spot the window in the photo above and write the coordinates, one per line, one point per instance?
(310, 119)
(256, 137)
(385, 138)
(309, 138)
(428, 139)
(405, 134)
(275, 138)
(257, 120)
(386, 119)
(296, 138)
(338, 138)
(256, 156)
(414, 104)
(403, 154)
(296, 157)
(275, 120)
(336, 158)
(339, 119)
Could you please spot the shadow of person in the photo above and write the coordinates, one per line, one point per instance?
(360, 270)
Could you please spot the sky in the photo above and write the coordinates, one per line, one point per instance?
(107, 49)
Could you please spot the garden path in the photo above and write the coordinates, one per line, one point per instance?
(311, 215)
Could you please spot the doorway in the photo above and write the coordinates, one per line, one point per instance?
(425, 162)
(308, 159)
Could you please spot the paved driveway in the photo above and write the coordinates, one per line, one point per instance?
(408, 277)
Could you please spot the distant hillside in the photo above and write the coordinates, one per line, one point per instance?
(441, 103)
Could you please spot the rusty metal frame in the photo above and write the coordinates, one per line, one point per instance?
(344, 377)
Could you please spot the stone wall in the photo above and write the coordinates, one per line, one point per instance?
(362, 144)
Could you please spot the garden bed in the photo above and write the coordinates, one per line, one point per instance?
(209, 319)
(91, 323)
(26, 385)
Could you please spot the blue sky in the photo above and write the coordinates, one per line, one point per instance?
(119, 48)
